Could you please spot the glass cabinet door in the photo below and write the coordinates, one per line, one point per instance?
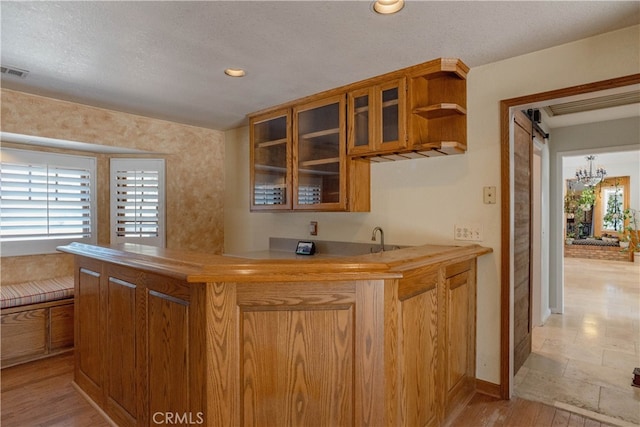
(319, 171)
(392, 127)
(377, 119)
(360, 132)
(270, 161)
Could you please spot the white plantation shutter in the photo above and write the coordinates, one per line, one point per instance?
(137, 201)
(46, 201)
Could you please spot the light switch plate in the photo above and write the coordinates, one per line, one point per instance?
(489, 195)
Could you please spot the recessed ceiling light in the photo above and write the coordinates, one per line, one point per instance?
(234, 72)
(387, 7)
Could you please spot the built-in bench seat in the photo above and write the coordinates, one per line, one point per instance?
(37, 319)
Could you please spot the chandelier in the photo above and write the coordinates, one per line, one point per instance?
(589, 175)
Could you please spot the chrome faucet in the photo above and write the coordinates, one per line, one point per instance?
(373, 237)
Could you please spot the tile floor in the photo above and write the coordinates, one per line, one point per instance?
(585, 357)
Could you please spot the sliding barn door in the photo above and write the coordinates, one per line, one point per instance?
(523, 149)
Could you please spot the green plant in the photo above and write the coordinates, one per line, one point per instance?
(630, 233)
(571, 201)
(587, 199)
(614, 217)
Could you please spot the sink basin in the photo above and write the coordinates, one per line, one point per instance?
(350, 248)
(284, 248)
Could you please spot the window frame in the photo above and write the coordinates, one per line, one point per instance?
(72, 161)
(624, 182)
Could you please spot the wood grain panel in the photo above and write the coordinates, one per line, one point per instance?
(61, 327)
(121, 338)
(372, 317)
(457, 327)
(223, 388)
(413, 286)
(359, 185)
(23, 333)
(168, 341)
(88, 325)
(419, 363)
(523, 147)
(459, 267)
(297, 367)
(292, 293)
(160, 284)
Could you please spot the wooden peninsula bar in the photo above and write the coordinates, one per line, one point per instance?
(177, 338)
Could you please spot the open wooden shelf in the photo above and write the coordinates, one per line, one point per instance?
(442, 147)
(439, 110)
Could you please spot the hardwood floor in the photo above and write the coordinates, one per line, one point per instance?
(40, 394)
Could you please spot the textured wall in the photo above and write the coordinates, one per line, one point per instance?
(194, 168)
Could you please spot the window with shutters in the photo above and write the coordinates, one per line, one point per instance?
(137, 201)
(47, 200)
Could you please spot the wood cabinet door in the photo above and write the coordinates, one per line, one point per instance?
(296, 352)
(122, 360)
(377, 119)
(391, 120)
(270, 157)
(89, 329)
(460, 354)
(361, 122)
(419, 399)
(319, 155)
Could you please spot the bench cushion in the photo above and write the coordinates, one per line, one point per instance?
(36, 291)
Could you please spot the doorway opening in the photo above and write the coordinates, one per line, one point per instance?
(507, 210)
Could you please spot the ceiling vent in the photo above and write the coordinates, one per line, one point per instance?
(608, 101)
(12, 71)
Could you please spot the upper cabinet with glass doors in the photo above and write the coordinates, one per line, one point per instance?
(376, 119)
(271, 161)
(314, 153)
(299, 160)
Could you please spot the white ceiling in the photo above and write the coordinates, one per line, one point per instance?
(609, 160)
(166, 59)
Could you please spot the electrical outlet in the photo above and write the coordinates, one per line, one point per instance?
(313, 228)
(468, 232)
